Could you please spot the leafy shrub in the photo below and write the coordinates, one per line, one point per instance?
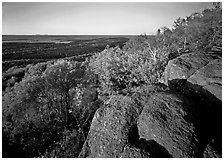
(124, 69)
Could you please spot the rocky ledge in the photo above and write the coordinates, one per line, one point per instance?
(182, 119)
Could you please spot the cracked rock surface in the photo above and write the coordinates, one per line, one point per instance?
(183, 119)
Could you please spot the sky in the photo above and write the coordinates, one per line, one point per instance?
(87, 18)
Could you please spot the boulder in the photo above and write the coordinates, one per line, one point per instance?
(196, 73)
(182, 67)
(180, 125)
(208, 80)
(167, 119)
(109, 131)
(185, 65)
(133, 152)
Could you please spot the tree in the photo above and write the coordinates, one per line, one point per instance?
(158, 32)
(217, 5)
(40, 108)
(60, 78)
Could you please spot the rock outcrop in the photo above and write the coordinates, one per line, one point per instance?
(157, 124)
(132, 152)
(208, 80)
(185, 65)
(181, 120)
(109, 131)
(167, 119)
(197, 73)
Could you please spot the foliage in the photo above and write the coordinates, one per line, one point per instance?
(143, 58)
(11, 76)
(46, 103)
(120, 70)
(197, 32)
(67, 147)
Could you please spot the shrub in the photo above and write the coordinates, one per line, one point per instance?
(67, 147)
(120, 70)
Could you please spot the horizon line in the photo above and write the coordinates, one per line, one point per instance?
(71, 34)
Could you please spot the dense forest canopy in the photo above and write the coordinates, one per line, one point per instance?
(47, 108)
